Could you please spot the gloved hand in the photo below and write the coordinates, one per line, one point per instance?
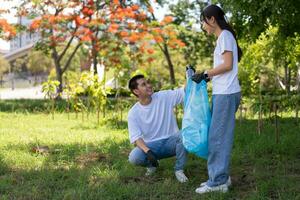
(198, 77)
(190, 71)
(152, 158)
(189, 66)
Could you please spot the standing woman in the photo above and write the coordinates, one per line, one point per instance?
(225, 100)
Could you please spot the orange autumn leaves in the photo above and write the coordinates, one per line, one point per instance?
(129, 24)
(7, 31)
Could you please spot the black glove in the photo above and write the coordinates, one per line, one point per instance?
(199, 77)
(152, 158)
(189, 71)
(190, 67)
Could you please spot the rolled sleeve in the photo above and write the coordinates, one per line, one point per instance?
(227, 42)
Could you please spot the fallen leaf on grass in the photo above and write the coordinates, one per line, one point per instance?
(40, 149)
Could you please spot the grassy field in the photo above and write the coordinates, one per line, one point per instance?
(41, 158)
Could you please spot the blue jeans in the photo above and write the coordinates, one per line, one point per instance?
(220, 138)
(164, 148)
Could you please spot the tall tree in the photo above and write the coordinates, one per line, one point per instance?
(89, 22)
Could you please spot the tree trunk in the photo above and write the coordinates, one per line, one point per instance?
(98, 115)
(297, 114)
(276, 123)
(297, 93)
(259, 124)
(59, 75)
(52, 107)
(165, 50)
(68, 107)
(170, 64)
(95, 58)
(287, 78)
(241, 112)
(58, 70)
(13, 83)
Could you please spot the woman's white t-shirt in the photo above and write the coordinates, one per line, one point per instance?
(228, 82)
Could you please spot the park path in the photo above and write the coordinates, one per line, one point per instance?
(22, 93)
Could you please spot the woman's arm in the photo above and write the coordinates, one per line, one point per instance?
(224, 67)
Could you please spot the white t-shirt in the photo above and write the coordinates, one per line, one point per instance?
(156, 120)
(228, 82)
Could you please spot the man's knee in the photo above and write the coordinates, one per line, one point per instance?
(136, 157)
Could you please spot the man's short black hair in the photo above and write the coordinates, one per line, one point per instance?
(133, 82)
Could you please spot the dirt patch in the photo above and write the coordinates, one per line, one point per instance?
(140, 179)
(92, 157)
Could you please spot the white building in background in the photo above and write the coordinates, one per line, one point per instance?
(22, 40)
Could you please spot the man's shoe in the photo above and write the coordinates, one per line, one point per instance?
(181, 176)
(228, 183)
(205, 189)
(150, 171)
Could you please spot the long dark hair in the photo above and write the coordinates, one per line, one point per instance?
(219, 15)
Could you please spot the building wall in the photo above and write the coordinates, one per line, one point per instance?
(22, 39)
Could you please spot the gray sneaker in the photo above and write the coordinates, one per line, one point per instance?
(205, 189)
(228, 183)
(180, 176)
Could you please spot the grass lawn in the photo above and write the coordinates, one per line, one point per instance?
(81, 160)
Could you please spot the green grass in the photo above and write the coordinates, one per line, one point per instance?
(86, 161)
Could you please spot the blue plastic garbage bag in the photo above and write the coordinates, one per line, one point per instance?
(196, 118)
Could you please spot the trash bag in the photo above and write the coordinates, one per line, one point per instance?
(196, 118)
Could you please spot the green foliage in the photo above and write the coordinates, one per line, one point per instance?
(252, 17)
(199, 46)
(87, 92)
(264, 61)
(38, 62)
(50, 89)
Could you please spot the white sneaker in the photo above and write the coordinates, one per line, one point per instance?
(205, 189)
(181, 176)
(228, 183)
(150, 171)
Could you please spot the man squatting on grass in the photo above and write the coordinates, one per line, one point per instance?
(153, 128)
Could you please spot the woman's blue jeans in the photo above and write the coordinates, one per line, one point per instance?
(220, 139)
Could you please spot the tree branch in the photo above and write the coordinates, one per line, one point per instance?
(67, 47)
(71, 57)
